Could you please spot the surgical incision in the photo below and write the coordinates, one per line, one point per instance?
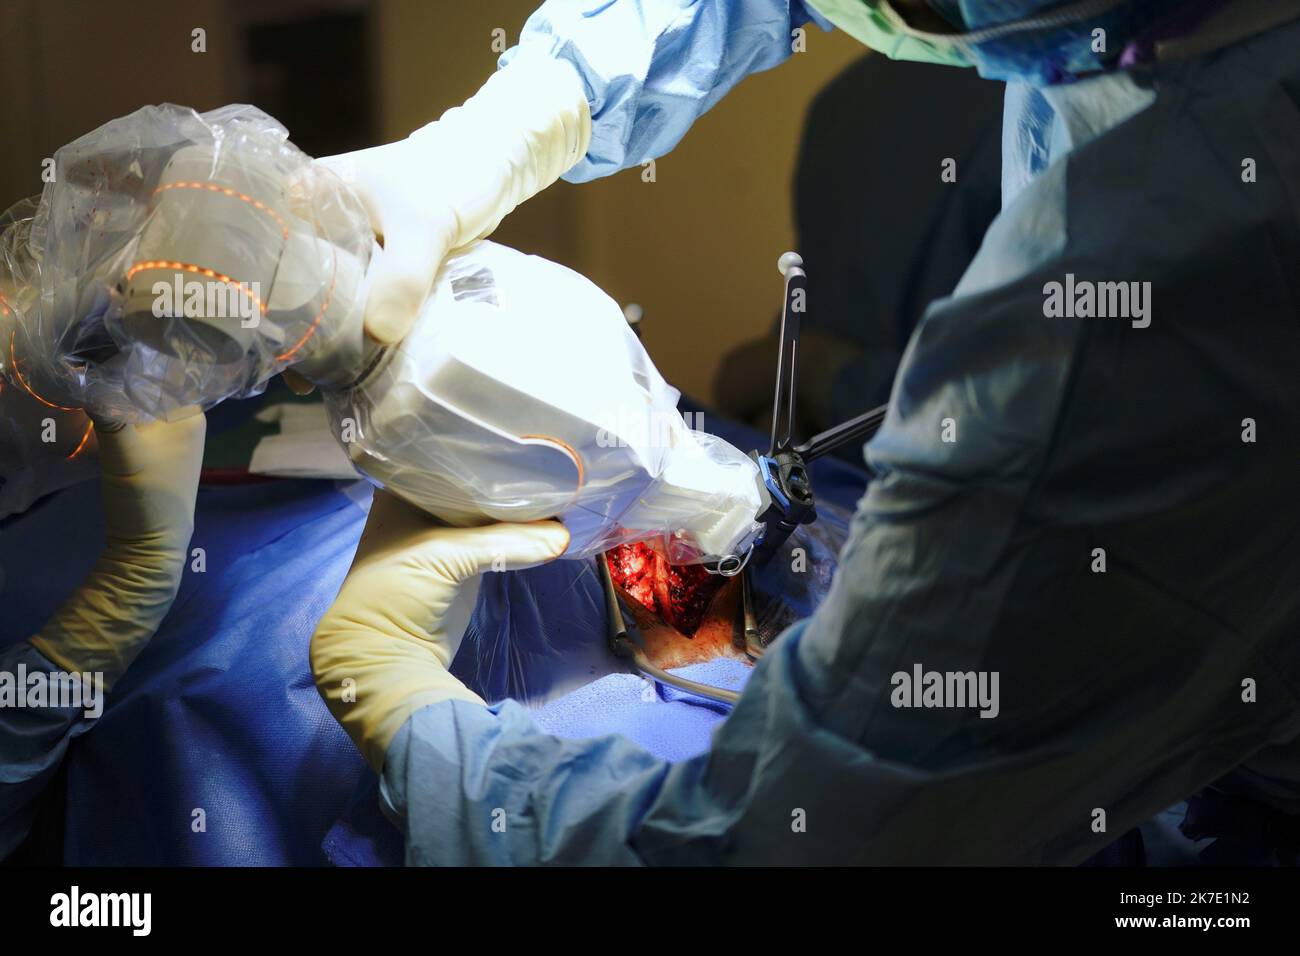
(678, 594)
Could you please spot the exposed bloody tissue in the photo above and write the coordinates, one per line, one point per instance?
(678, 593)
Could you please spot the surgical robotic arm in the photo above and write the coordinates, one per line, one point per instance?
(188, 258)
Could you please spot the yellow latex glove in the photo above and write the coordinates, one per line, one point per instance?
(149, 477)
(383, 649)
(454, 180)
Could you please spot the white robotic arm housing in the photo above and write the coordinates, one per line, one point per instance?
(189, 258)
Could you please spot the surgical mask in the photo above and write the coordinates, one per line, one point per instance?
(878, 25)
(188, 258)
(1041, 42)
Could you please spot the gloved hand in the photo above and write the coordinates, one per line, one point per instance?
(149, 477)
(383, 649)
(454, 180)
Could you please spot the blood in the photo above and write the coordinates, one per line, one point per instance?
(678, 593)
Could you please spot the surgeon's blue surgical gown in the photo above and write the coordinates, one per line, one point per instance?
(1023, 453)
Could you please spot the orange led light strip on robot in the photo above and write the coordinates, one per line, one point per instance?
(195, 270)
(284, 232)
(5, 310)
(13, 363)
(311, 329)
(228, 280)
(81, 445)
(233, 194)
(573, 456)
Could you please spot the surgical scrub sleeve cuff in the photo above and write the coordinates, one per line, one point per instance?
(652, 67)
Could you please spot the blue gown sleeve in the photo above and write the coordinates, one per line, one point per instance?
(476, 786)
(32, 744)
(652, 67)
